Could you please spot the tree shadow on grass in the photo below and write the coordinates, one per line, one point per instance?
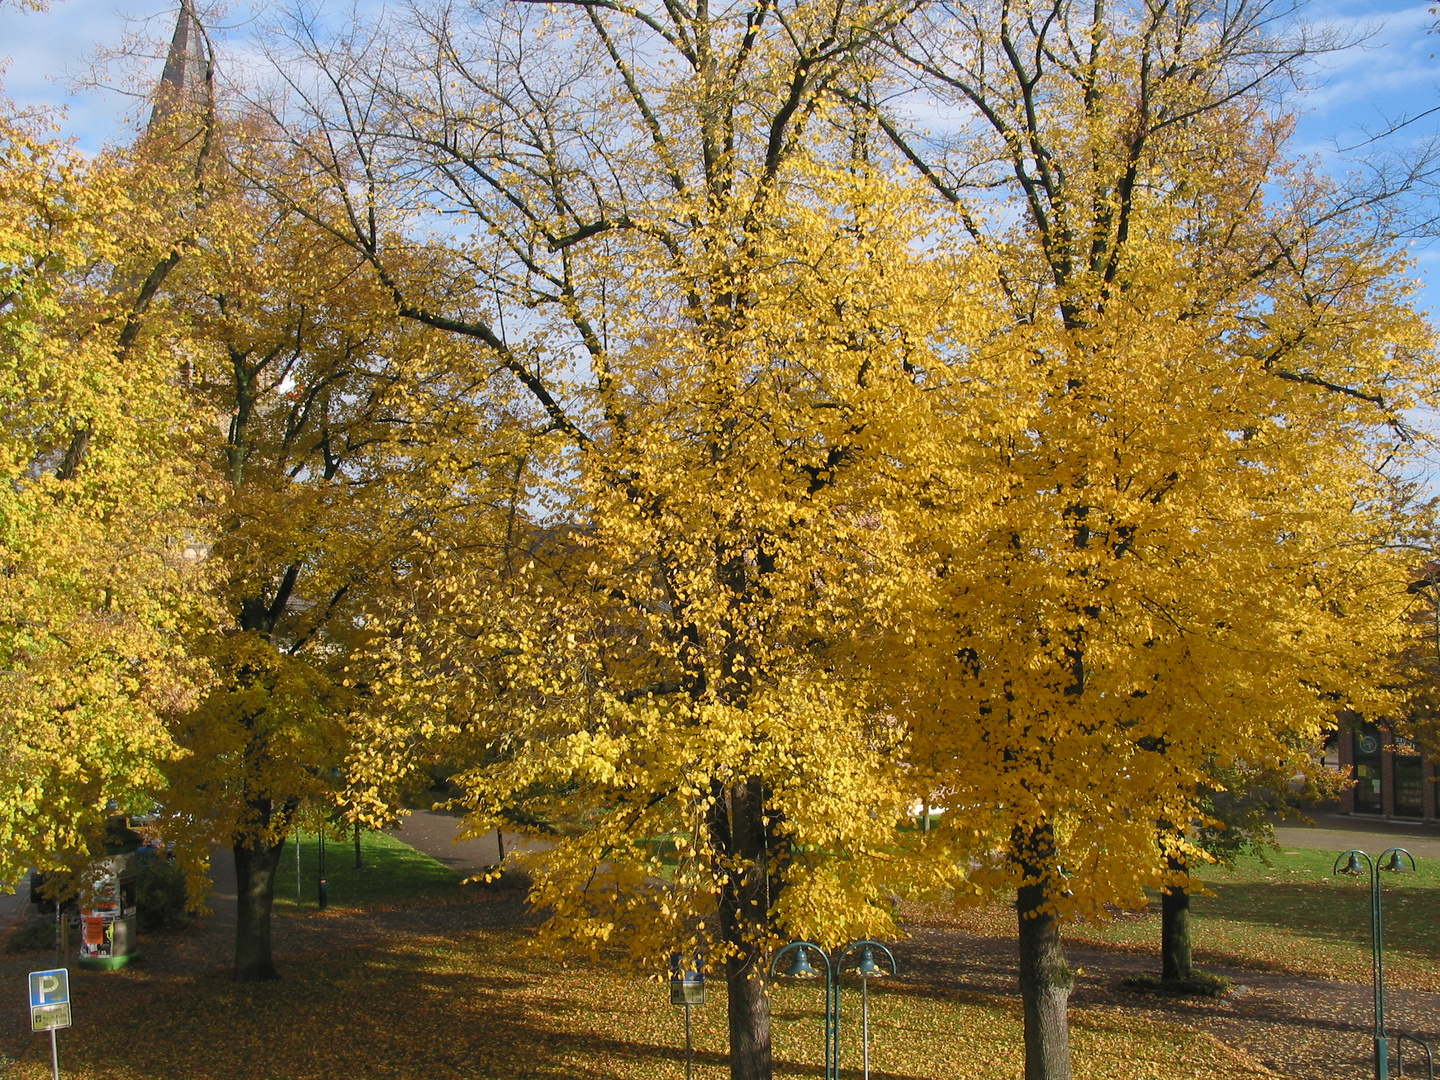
(1337, 916)
(405, 1008)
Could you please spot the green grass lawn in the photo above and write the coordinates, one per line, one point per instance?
(483, 1004)
(392, 875)
(1291, 915)
(1296, 915)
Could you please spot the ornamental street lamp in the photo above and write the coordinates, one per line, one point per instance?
(1394, 862)
(867, 969)
(865, 966)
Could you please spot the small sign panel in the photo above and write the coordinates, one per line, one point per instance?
(49, 999)
(689, 990)
(48, 1017)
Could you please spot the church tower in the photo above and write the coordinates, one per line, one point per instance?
(189, 66)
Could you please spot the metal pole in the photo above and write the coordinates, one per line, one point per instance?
(54, 1055)
(689, 1052)
(829, 1006)
(324, 901)
(1377, 948)
(835, 1020)
(865, 1022)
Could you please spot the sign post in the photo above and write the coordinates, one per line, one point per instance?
(50, 1007)
(686, 988)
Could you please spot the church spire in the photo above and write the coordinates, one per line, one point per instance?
(186, 78)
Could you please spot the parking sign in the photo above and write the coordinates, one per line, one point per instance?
(49, 999)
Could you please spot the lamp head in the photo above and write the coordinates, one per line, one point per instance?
(1395, 864)
(800, 967)
(867, 968)
(1352, 864)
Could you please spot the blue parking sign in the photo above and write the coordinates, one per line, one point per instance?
(49, 987)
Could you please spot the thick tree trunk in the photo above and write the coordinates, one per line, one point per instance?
(1045, 978)
(749, 1020)
(1175, 931)
(255, 867)
(737, 825)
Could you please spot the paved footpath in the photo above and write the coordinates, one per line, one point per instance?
(434, 833)
(1339, 832)
(438, 835)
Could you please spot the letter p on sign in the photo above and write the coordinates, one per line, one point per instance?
(49, 987)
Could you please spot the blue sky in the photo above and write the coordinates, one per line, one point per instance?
(1394, 73)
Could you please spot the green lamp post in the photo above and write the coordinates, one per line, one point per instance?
(1394, 862)
(863, 953)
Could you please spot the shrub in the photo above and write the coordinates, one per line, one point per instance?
(35, 935)
(1199, 984)
(160, 899)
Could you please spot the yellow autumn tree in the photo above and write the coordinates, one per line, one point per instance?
(1210, 355)
(99, 497)
(722, 342)
(658, 672)
(342, 438)
(1096, 462)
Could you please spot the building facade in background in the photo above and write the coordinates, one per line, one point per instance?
(1392, 778)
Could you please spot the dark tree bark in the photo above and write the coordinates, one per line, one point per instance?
(1175, 931)
(359, 859)
(257, 861)
(1045, 978)
(749, 1020)
(737, 828)
(255, 867)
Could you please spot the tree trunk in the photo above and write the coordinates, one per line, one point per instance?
(749, 1020)
(737, 825)
(1045, 978)
(255, 867)
(359, 859)
(1175, 931)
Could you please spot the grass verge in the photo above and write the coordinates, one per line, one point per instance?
(1202, 984)
(392, 875)
(1292, 915)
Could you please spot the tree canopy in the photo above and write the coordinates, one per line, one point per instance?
(635, 413)
(99, 497)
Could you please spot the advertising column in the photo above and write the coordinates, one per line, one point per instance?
(108, 927)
